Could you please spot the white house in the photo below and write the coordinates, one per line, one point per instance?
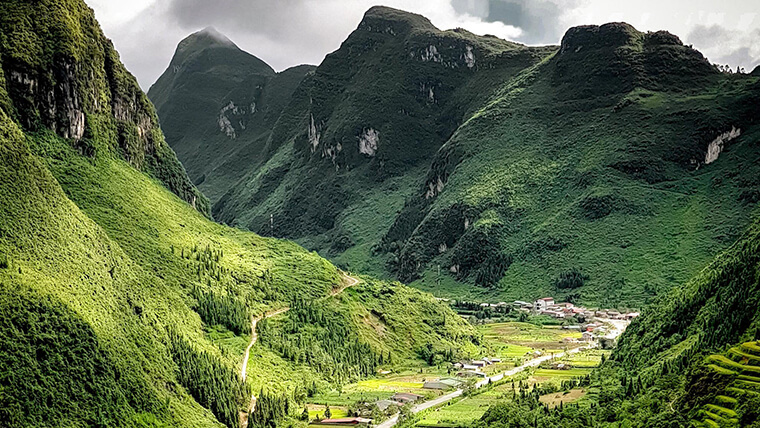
(542, 304)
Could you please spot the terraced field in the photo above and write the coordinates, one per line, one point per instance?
(515, 339)
(742, 365)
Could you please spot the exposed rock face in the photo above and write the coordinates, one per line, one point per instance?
(368, 142)
(81, 91)
(716, 146)
(55, 103)
(313, 135)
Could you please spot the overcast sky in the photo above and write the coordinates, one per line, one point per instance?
(290, 32)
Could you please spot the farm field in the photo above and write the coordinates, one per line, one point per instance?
(513, 340)
(553, 400)
(471, 408)
(318, 411)
(380, 388)
(466, 409)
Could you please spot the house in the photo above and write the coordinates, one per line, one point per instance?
(356, 421)
(479, 363)
(458, 365)
(572, 327)
(542, 304)
(561, 366)
(495, 360)
(588, 336)
(384, 404)
(631, 315)
(442, 384)
(470, 367)
(406, 397)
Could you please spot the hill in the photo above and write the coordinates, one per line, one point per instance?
(358, 133)
(478, 168)
(218, 105)
(625, 156)
(122, 303)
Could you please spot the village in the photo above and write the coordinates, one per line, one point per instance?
(572, 342)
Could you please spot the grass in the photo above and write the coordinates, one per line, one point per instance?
(513, 340)
(387, 385)
(553, 400)
(336, 412)
(465, 410)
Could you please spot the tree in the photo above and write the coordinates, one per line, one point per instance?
(328, 413)
(305, 414)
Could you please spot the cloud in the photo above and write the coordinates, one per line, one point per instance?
(540, 21)
(283, 33)
(723, 46)
(289, 32)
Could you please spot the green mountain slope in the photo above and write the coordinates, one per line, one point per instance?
(625, 156)
(78, 88)
(480, 168)
(358, 133)
(690, 359)
(121, 304)
(218, 105)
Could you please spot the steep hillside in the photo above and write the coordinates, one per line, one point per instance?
(625, 156)
(218, 105)
(61, 72)
(121, 304)
(480, 168)
(358, 133)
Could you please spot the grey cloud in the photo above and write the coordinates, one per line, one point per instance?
(723, 46)
(708, 37)
(540, 20)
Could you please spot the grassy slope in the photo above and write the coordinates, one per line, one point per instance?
(207, 73)
(101, 269)
(384, 77)
(553, 175)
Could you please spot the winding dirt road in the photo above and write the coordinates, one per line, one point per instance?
(349, 281)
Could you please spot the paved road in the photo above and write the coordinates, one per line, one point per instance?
(389, 423)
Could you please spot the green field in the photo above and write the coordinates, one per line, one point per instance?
(317, 411)
(465, 410)
(514, 340)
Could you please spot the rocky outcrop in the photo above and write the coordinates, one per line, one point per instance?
(79, 89)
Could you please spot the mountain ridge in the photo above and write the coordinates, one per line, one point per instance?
(219, 104)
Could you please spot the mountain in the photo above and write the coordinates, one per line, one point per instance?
(480, 168)
(122, 304)
(359, 132)
(218, 105)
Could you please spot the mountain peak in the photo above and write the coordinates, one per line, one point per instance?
(215, 35)
(394, 19)
(613, 34)
(206, 38)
